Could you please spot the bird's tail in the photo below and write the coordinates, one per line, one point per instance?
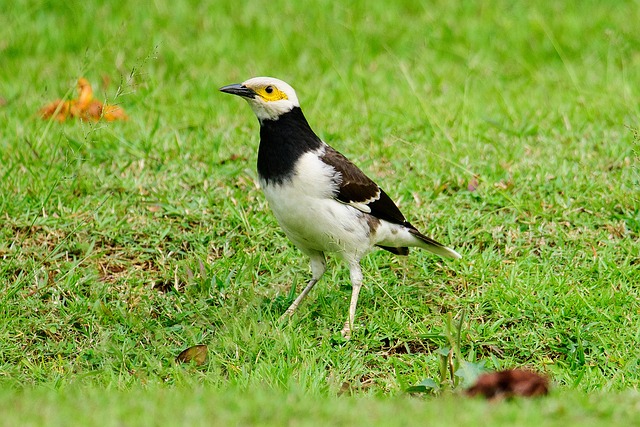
(433, 246)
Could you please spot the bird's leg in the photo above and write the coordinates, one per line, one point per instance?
(355, 271)
(318, 267)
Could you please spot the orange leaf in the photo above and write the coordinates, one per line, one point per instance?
(113, 112)
(93, 111)
(83, 108)
(85, 93)
(59, 109)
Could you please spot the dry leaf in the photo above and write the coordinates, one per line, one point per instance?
(197, 354)
(473, 183)
(112, 112)
(83, 108)
(509, 383)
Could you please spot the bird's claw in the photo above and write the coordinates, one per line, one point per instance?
(346, 331)
(286, 315)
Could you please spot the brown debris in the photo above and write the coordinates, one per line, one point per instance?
(510, 383)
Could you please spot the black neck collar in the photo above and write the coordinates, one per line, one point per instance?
(282, 142)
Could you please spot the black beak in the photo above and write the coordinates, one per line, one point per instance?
(240, 90)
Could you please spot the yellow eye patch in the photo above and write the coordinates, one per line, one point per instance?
(271, 93)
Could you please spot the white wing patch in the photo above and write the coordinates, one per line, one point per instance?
(364, 205)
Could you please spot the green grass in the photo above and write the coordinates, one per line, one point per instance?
(204, 407)
(122, 244)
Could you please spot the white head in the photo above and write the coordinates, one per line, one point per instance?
(268, 97)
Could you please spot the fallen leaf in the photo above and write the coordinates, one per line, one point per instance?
(345, 388)
(112, 112)
(83, 108)
(510, 383)
(473, 183)
(58, 109)
(196, 353)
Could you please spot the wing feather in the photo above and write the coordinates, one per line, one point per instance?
(358, 190)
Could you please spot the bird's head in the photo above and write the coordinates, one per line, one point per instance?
(268, 97)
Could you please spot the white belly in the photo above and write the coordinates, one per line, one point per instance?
(312, 218)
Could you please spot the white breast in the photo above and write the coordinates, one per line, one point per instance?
(309, 214)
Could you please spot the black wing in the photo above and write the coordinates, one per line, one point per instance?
(358, 190)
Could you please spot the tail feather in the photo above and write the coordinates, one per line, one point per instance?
(432, 246)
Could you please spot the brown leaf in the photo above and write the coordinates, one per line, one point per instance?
(345, 388)
(196, 353)
(473, 183)
(85, 95)
(83, 108)
(509, 383)
(58, 109)
(113, 112)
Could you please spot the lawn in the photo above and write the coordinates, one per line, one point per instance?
(506, 130)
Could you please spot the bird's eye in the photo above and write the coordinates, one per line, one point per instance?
(268, 89)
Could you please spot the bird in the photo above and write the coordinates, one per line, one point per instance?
(323, 202)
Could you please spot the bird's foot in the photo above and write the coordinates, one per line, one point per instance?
(346, 331)
(287, 314)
